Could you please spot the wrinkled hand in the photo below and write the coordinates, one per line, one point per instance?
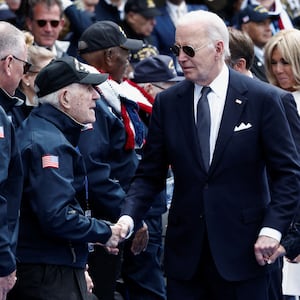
(140, 241)
(125, 229)
(112, 244)
(89, 281)
(6, 284)
(264, 248)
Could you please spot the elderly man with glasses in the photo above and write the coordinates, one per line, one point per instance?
(13, 64)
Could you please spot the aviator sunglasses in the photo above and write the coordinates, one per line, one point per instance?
(188, 50)
(26, 64)
(42, 23)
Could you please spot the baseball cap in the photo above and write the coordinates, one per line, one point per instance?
(255, 13)
(158, 68)
(103, 35)
(146, 8)
(62, 72)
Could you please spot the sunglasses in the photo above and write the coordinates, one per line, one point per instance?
(26, 64)
(188, 50)
(42, 23)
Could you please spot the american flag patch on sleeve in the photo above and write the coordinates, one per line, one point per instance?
(50, 161)
(1, 132)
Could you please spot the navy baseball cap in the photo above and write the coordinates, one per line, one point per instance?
(103, 35)
(146, 8)
(255, 13)
(62, 72)
(158, 68)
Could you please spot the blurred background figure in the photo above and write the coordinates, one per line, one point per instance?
(39, 57)
(256, 22)
(241, 51)
(282, 62)
(45, 21)
(163, 34)
(276, 8)
(110, 10)
(138, 24)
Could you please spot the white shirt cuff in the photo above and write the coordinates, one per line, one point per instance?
(270, 232)
(127, 220)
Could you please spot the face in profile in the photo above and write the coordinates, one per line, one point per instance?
(81, 102)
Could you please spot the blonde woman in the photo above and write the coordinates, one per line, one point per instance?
(282, 63)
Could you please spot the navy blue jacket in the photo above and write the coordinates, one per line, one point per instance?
(11, 180)
(53, 228)
(110, 167)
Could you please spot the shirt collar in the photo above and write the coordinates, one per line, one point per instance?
(218, 85)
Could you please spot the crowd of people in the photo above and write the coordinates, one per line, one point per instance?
(150, 150)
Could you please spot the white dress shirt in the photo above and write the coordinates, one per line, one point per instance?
(216, 100)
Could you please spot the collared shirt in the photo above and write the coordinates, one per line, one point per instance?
(216, 99)
(176, 11)
(259, 53)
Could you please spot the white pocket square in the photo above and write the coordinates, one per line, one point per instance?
(242, 126)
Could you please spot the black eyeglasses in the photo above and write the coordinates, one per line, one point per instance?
(188, 50)
(42, 23)
(26, 64)
(158, 86)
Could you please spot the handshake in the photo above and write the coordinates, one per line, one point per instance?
(122, 230)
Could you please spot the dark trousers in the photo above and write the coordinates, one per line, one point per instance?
(207, 284)
(104, 270)
(48, 282)
(142, 274)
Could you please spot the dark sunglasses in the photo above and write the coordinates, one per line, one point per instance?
(42, 23)
(26, 64)
(188, 50)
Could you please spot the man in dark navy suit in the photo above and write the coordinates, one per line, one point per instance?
(227, 216)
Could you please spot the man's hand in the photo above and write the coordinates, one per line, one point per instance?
(140, 241)
(6, 284)
(264, 248)
(88, 279)
(280, 251)
(111, 245)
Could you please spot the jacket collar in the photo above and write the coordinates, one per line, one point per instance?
(68, 126)
(8, 102)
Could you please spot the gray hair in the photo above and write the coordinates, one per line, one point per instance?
(52, 99)
(214, 27)
(12, 40)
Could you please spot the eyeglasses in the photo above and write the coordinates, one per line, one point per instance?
(26, 64)
(158, 86)
(188, 50)
(42, 23)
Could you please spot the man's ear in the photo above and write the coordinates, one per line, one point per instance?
(65, 99)
(219, 46)
(29, 24)
(240, 65)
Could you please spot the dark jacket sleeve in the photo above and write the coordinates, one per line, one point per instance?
(109, 166)
(11, 181)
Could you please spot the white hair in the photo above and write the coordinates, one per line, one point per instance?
(209, 22)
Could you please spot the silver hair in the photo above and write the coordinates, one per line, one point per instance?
(12, 40)
(215, 28)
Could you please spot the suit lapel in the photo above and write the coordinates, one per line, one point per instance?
(234, 105)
